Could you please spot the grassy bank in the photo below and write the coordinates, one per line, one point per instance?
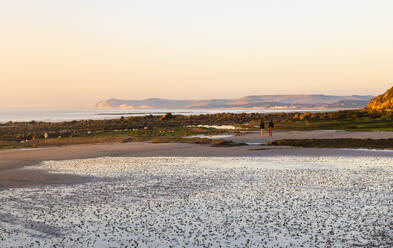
(346, 125)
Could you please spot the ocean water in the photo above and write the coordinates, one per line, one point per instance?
(91, 114)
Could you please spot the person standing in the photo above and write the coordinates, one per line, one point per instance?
(262, 126)
(271, 126)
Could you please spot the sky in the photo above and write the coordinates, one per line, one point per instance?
(57, 54)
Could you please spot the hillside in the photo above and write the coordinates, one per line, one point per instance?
(262, 102)
(382, 102)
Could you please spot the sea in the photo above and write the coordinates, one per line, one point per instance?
(93, 114)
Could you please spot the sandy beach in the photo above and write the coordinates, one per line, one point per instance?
(276, 201)
(160, 195)
(12, 162)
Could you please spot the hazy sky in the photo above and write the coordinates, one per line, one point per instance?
(72, 53)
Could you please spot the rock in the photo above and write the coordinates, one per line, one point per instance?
(130, 139)
(225, 143)
(167, 116)
(382, 102)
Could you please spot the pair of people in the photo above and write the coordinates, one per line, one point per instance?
(271, 126)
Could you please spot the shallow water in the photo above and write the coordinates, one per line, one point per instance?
(214, 136)
(219, 126)
(92, 114)
(206, 202)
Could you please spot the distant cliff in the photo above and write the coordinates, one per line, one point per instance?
(262, 102)
(382, 102)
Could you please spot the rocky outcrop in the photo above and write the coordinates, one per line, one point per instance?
(382, 102)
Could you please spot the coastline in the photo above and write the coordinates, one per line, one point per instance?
(18, 158)
(14, 161)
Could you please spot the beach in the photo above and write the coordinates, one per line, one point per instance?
(279, 201)
(142, 194)
(13, 161)
(166, 124)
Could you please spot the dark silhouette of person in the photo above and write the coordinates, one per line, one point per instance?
(271, 126)
(262, 126)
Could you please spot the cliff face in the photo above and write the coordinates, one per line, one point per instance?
(382, 102)
(261, 101)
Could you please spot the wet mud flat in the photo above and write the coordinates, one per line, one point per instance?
(205, 202)
(20, 177)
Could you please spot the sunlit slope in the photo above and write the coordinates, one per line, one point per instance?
(261, 101)
(383, 102)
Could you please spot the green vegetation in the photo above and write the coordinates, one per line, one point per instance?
(342, 120)
(348, 120)
(145, 128)
(360, 125)
(170, 132)
(336, 143)
(156, 135)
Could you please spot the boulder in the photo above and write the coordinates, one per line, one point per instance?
(167, 116)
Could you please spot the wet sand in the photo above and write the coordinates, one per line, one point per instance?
(15, 178)
(255, 137)
(205, 202)
(14, 175)
(146, 194)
